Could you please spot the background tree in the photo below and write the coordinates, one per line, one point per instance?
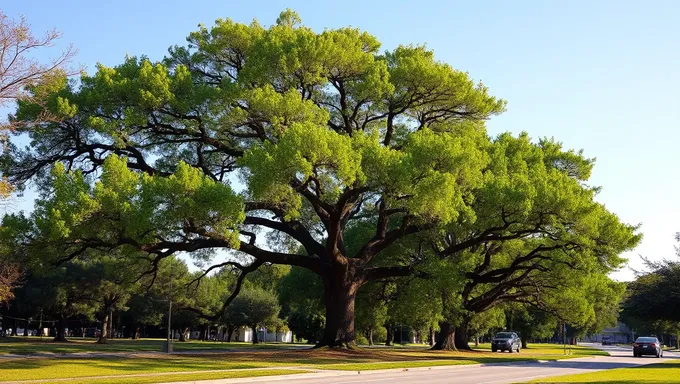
(650, 304)
(484, 322)
(144, 309)
(253, 307)
(531, 323)
(371, 309)
(299, 294)
(19, 71)
(542, 230)
(13, 232)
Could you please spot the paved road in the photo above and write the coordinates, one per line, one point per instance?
(489, 373)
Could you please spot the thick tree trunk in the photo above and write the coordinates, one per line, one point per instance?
(230, 331)
(255, 339)
(61, 330)
(390, 335)
(182, 334)
(432, 337)
(112, 333)
(370, 337)
(461, 338)
(476, 341)
(524, 342)
(340, 292)
(103, 336)
(446, 339)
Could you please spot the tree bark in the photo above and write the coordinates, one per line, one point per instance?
(370, 337)
(112, 333)
(340, 290)
(104, 329)
(135, 333)
(390, 336)
(524, 342)
(446, 339)
(230, 331)
(432, 337)
(182, 334)
(461, 337)
(255, 340)
(61, 330)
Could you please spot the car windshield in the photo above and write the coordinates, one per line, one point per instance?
(504, 335)
(645, 340)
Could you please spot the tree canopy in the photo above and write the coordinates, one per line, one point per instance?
(373, 164)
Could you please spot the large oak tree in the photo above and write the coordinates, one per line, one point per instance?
(281, 132)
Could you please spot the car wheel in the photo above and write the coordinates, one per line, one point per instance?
(518, 348)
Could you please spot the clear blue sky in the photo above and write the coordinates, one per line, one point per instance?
(599, 75)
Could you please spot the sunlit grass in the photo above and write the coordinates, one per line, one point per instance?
(668, 372)
(181, 377)
(551, 349)
(34, 369)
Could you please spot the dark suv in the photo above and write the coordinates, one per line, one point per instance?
(506, 341)
(647, 346)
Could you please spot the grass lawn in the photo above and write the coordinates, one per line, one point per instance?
(21, 345)
(668, 372)
(550, 349)
(180, 377)
(357, 359)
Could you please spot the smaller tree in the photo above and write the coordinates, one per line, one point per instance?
(299, 293)
(531, 323)
(253, 307)
(144, 308)
(482, 323)
(19, 71)
(371, 309)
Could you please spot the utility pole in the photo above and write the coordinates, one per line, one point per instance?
(564, 335)
(168, 343)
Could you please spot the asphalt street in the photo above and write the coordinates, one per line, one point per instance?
(485, 373)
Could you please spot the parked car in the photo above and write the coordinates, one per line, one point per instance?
(506, 341)
(647, 346)
(606, 340)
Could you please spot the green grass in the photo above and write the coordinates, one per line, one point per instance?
(181, 377)
(551, 349)
(668, 372)
(20, 345)
(35, 369)
(353, 360)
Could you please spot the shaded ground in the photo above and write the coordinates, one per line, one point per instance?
(20, 345)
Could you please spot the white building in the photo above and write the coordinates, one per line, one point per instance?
(245, 334)
(620, 334)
